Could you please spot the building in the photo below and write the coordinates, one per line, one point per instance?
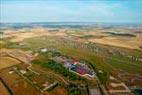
(43, 50)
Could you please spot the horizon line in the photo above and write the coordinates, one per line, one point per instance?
(71, 22)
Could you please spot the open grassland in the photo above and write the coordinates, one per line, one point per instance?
(114, 37)
(108, 54)
(73, 45)
(99, 61)
(96, 54)
(122, 38)
(7, 62)
(66, 49)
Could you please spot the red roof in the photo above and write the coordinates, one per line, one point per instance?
(81, 71)
(74, 61)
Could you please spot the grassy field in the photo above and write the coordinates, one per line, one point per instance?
(67, 49)
(101, 61)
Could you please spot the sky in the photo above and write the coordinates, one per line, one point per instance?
(111, 11)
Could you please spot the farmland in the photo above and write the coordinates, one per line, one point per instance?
(7, 62)
(51, 61)
(3, 90)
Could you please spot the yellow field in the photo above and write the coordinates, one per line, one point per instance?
(107, 39)
(7, 62)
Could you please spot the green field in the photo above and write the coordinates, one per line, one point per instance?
(101, 61)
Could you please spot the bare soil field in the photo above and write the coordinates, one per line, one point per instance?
(130, 79)
(132, 43)
(3, 90)
(16, 54)
(99, 36)
(114, 40)
(58, 91)
(115, 87)
(7, 62)
(18, 85)
(18, 36)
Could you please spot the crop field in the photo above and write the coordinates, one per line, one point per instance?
(66, 48)
(106, 60)
(72, 50)
(17, 84)
(49, 73)
(58, 91)
(8, 62)
(3, 89)
(101, 60)
(71, 47)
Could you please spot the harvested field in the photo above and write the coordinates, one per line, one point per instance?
(132, 43)
(58, 91)
(3, 90)
(115, 87)
(7, 62)
(17, 84)
(20, 35)
(129, 39)
(23, 56)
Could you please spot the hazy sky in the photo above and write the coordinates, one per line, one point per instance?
(71, 10)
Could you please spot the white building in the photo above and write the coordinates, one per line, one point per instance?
(43, 50)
